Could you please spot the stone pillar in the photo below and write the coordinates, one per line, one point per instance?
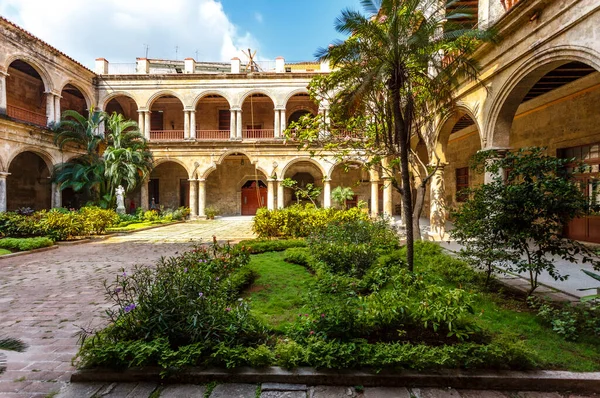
(144, 195)
(3, 190)
(186, 125)
(141, 122)
(50, 114)
(56, 196)
(388, 205)
(270, 194)
(374, 198)
(193, 125)
(193, 198)
(238, 124)
(201, 197)
(326, 193)
(235, 65)
(488, 176)
(280, 194)
(277, 132)
(283, 121)
(3, 102)
(57, 108)
(437, 204)
(147, 125)
(232, 124)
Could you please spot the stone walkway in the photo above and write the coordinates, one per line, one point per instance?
(46, 297)
(274, 390)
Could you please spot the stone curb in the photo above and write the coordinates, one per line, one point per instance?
(498, 380)
(124, 233)
(41, 249)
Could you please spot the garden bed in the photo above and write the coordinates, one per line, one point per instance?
(346, 301)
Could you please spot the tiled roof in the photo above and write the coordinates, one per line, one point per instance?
(42, 42)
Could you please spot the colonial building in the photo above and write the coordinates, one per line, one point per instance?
(216, 128)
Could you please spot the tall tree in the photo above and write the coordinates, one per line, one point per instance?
(396, 72)
(118, 157)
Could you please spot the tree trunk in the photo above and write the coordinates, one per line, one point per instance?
(401, 136)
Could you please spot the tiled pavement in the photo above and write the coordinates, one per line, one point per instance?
(46, 297)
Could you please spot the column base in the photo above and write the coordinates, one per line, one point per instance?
(438, 236)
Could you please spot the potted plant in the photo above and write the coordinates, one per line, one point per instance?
(211, 212)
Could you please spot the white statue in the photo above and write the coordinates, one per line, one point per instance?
(120, 192)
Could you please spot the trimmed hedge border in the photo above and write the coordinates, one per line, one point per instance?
(41, 249)
(495, 380)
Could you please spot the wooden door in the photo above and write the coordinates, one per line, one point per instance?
(252, 199)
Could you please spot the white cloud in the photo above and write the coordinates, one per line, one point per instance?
(117, 30)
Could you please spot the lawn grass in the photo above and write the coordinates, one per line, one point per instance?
(278, 294)
(4, 251)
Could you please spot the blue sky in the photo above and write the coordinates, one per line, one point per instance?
(118, 30)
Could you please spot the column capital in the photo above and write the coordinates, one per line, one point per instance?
(50, 92)
(143, 110)
(202, 180)
(3, 73)
(440, 165)
(235, 109)
(279, 108)
(327, 180)
(501, 151)
(192, 179)
(3, 175)
(271, 179)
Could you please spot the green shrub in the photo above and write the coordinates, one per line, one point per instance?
(568, 321)
(256, 246)
(298, 255)
(60, 225)
(97, 220)
(18, 225)
(24, 244)
(351, 247)
(299, 221)
(150, 215)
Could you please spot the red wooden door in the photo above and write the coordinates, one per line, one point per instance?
(252, 199)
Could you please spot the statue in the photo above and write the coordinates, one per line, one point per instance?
(120, 192)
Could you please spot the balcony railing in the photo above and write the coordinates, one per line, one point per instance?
(166, 135)
(26, 115)
(212, 134)
(258, 134)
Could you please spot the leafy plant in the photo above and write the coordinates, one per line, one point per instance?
(308, 191)
(211, 212)
(341, 194)
(24, 244)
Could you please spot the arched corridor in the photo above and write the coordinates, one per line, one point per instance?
(28, 183)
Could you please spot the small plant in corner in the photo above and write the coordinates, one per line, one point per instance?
(211, 212)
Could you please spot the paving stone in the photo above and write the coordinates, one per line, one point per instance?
(142, 390)
(121, 390)
(283, 394)
(386, 392)
(481, 394)
(79, 390)
(538, 394)
(234, 390)
(332, 392)
(283, 387)
(183, 391)
(435, 393)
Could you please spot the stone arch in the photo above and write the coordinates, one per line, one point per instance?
(341, 162)
(159, 161)
(28, 183)
(249, 93)
(104, 102)
(292, 93)
(45, 156)
(163, 93)
(289, 164)
(45, 76)
(211, 92)
(87, 94)
(445, 126)
(505, 104)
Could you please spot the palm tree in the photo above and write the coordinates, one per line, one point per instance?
(341, 194)
(400, 67)
(119, 157)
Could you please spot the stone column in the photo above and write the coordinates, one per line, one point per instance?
(283, 121)
(3, 102)
(326, 193)
(141, 122)
(280, 194)
(57, 115)
(374, 198)
(238, 124)
(193, 125)
(193, 198)
(3, 190)
(270, 194)
(277, 132)
(388, 206)
(147, 125)
(488, 176)
(232, 124)
(56, 196)
(50, 114)
(186, 125)
(201, 197)
(437, 211)
(144, 195)
(101, 126)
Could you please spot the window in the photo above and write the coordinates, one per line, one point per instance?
(224, 119)
(462, 182)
